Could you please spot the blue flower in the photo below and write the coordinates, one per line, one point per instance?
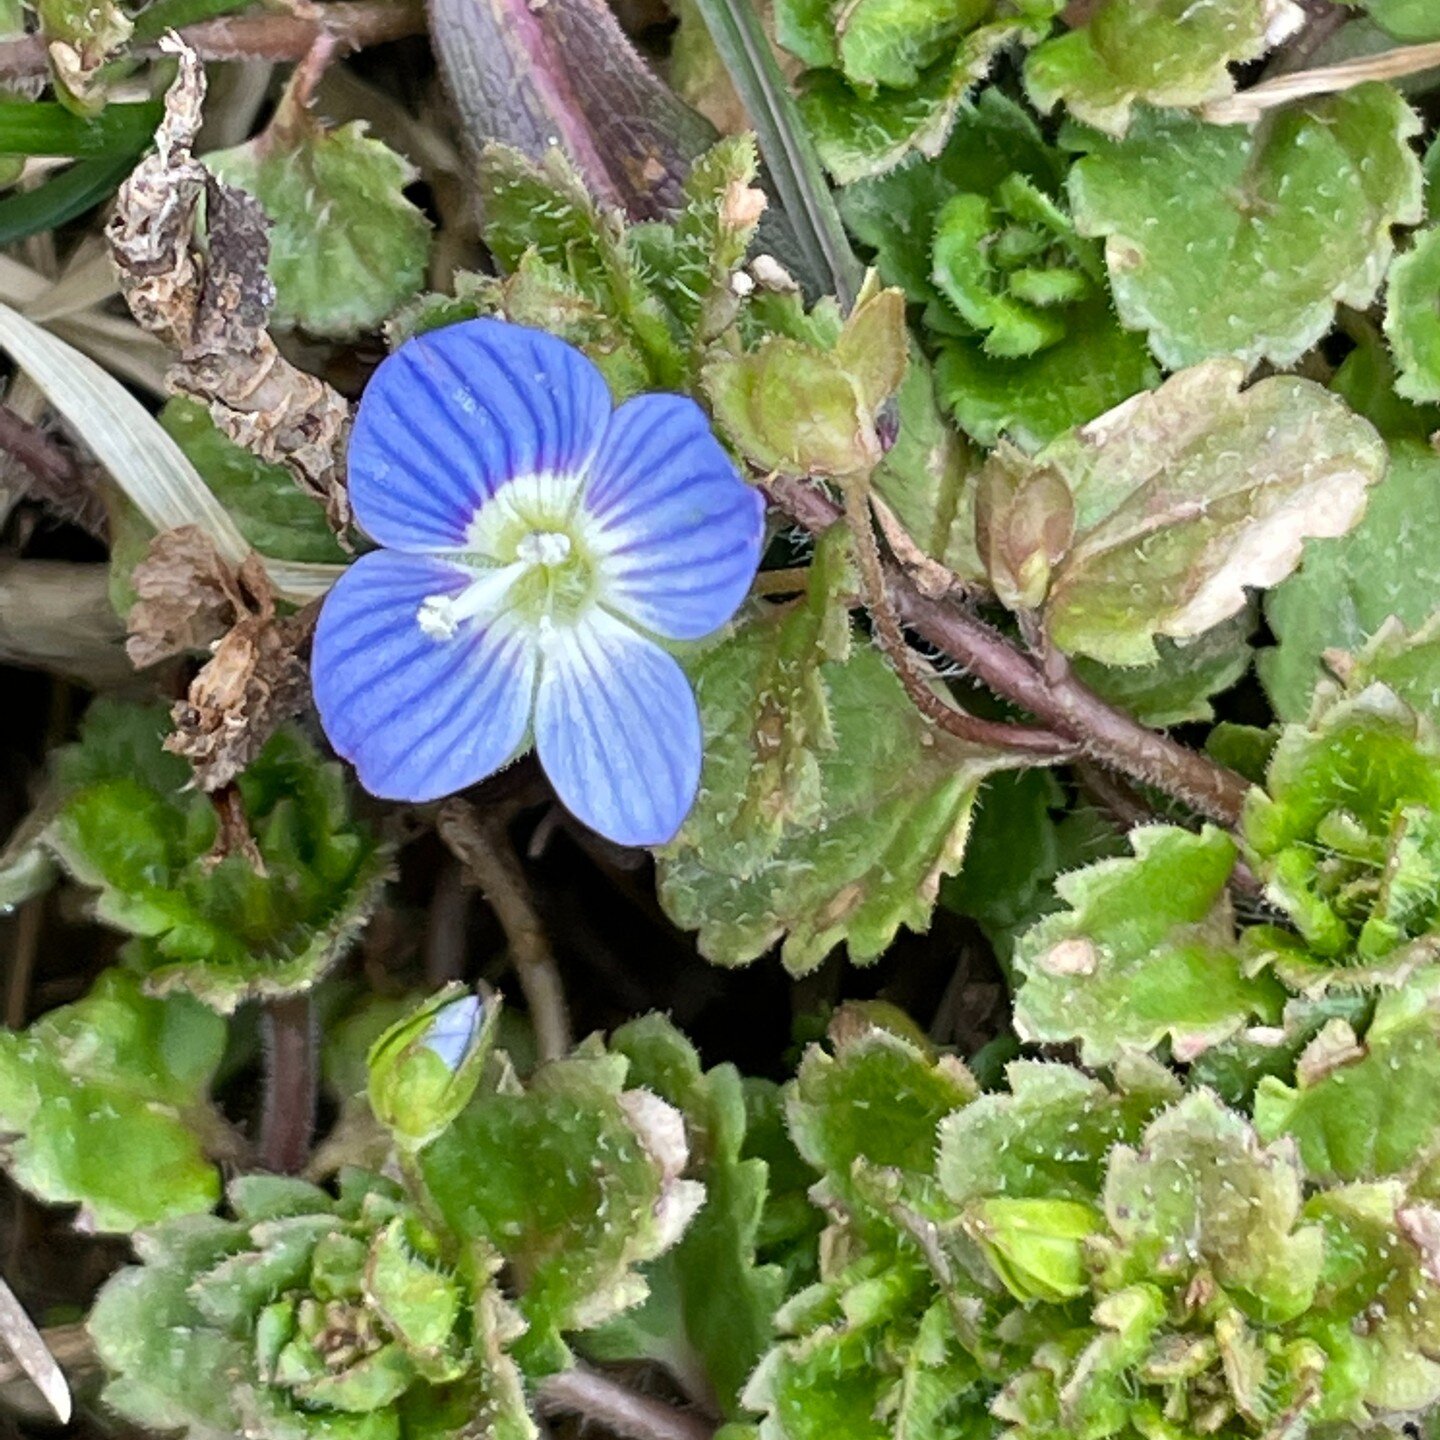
(536, 544)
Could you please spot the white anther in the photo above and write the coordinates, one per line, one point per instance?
(436, 617)
(544, 547)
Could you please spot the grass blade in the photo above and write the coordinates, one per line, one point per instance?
(138, 454)
(785, 143)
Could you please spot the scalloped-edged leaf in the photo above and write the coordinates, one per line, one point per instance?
(884, 798)
(1346, 836)
(1187, 495)
(130, 825)
(1362, 1108)
(105, 1104)
(1224, 241)
(1201, 1173)
(1050, 1136)
(708, 1316)
(1412, 315)
(873, 1101)
(346, 247)
(1146, 951)
(574, 1180)
(1161, 52)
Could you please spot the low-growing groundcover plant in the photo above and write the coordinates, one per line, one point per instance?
(726, 722)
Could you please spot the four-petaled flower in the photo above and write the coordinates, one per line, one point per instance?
(536, 544)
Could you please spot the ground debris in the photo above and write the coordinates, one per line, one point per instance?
(256, 677)
(190, 252)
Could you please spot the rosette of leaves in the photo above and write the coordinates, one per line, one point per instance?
(1346, 836)
(887, 78)
(206, 920)
(1075, 1258)
(309, 1315)
(1014, 298)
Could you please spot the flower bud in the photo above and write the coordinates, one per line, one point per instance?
(1035, 1247)
(425, 1067)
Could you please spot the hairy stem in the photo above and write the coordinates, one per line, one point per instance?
(292, 1079)
(354, 24)
(598, 1398)
(1059, 700)
(892, 641)
(482, 845)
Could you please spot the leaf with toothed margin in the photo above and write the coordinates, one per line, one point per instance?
(574, 1180)
(1368, 1105)
(130, 826)
(1221, 240)
(105, 1104)
(1145, 952)
(346, 247)
(851, 839)
(1411, 321)
(708, 1315)
(1188, 495)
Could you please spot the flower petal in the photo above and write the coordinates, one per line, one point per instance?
(455, 413)
(418, 717)
(617, 730)
(679, 531)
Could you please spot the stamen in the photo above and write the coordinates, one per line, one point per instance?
(439, 616)
(544, 547)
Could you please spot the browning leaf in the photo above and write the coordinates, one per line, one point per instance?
(209, 296)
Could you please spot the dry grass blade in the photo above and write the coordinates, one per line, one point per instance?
(139, 455)
(32, 1354)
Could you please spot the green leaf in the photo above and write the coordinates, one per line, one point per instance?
(1404, 662)
(1364, 1108)
(1200, 1172)
(708, 1317)
(874, 1101)
(1346, 589)
(874, 811)
(309, 1316)
(1178, 688)
(1220, 241)
(130, 826)
(575, 1182)
(1413, 21)
(106, 1105)
(63, 197)
(346, 247)
(1050, 1137)
(271, 511)
(1161, 52)
(1093, 367)
(1145, 952)
(1348, 843)
(1412, 318)
(1187, 495)
(39, 127)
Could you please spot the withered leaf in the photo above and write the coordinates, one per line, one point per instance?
(190, 599)
(190, 253)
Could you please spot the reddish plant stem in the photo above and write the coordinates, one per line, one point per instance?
(353, 24)
(1059, 700)
(292, 1082)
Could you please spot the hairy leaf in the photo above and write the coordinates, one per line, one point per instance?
(105, 1103)
(346, 247)
(1186, 496)
(205, 921)
(1145, 952)
(1412, 316)
(1224, 242)
(574, 1181)
(1161, 52)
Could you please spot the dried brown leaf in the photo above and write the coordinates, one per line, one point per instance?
(186, 597)
(209, 296)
